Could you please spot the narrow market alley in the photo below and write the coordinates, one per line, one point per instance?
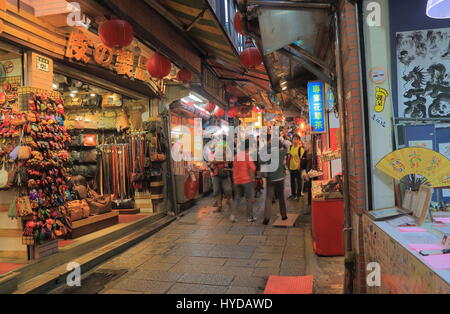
(204, 253)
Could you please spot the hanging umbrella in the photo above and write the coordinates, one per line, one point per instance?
(407, 163)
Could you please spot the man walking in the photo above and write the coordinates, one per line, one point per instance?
(221, 178)
(275, 182)
(243, 182)
(295, 156)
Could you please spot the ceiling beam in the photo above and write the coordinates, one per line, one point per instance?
(288, 5)
(307, 65)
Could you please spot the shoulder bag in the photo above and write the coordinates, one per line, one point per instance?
(99, 204)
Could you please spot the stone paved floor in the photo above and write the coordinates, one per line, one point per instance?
(203, 252)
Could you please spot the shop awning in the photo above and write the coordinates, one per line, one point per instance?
(203, 26)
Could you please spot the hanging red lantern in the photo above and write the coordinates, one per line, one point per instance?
(158, 66)
(210, 107)
(184, 76)
(219, 112)
(233, 112)
(250, 58)
(238, 23)
(116, 33)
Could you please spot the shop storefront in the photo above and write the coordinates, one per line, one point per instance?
(405, 64)
(191, 174)
(82, 143)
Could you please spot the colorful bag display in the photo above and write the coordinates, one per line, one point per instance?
(99, 204)
(78, 210)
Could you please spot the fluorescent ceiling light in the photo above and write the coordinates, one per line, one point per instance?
(195, 98)
(438, 9)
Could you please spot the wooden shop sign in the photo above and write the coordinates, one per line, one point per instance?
(85, 47)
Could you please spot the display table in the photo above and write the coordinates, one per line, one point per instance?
(403, 269)
(328, 227)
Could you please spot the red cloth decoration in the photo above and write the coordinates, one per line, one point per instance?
(116, 33)
(184, 76)
(158, 66)
(250, 57)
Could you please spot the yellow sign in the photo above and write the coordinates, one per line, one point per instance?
(380, 98)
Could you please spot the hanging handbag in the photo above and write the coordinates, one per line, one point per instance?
(24, 153)
(23, 206)
(4, 176)
(99, 204)
(122, 121)
(89, 156)
(78, 210)
(108, 120)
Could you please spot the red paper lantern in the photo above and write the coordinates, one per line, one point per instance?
(158, 66)
(184, 76)
(250, 57)
(210, 107)
(233, 112)
(116, 33)
(219, 112)
(238, 23)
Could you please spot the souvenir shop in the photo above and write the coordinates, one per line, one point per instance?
(82, 146)
(407, 228)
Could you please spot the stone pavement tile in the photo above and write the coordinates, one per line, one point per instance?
(266, 271)
(189, 240)
(235, 247)
(143, 285)
(276, 231)
(193, 246)
(186, 288)
(296, 231)
(291, 272)
(155, 275)
(269, 249)
(267, 256)
(243, 290)
(235, 270)
(246, 230)
(296, 258)
(253, 240)
(268, 263)
(277, 243)
(207, 279)
(236, 262)
(221, 240)
(230, 254)
(250, 281)
(152, 265)
(203, 260)
(198, 269)
(189, 252)
(116, 291)
(170, 259)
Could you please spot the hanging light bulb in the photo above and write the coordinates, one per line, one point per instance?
(438, 9)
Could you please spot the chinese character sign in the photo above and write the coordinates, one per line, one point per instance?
(316, 107)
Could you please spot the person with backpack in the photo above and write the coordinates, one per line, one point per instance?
(221, 178)
(275, 182)
(294, 163)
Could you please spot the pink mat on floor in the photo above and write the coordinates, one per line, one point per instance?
(7, 267)
(412, 229)
(289, 285)
(129, 218)
(63, 243)
(420, 247)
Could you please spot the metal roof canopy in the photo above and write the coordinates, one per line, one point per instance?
(280, 28)
(294, 36)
